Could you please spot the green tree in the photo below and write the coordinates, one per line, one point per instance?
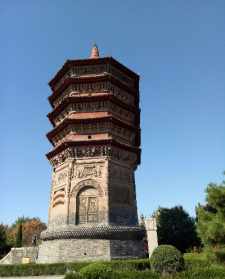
(175, 227)
(19, 235)
(211, 217)
(3, 239)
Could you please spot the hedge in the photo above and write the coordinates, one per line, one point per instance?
(134, 274)
(39, 269)
(139, 264)
(62, 268)
(210, 273)
(196, 268)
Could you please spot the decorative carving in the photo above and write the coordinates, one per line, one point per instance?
(84, 184)
(121, 76)
(123, 134)
(62, 177)
(84, 89)
(89, 170)
(78, 71)
(61, 157)
(93, 107)
(94, 151)
(58, 197)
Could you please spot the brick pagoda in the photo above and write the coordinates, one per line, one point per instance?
(96, 149)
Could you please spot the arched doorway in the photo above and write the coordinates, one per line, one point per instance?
(87, 206)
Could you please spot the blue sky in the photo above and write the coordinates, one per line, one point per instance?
(178, 49)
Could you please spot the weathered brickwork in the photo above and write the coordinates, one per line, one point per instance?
(69, 250)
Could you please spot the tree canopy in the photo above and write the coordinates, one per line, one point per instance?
(177, 228)
(22, 231)
(211, 217)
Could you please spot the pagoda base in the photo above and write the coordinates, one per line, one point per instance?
(70, 246)
(72, 250)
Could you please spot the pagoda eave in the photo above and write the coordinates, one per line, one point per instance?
(79, 99)
(92, 79)
(109, 142)
(69, 121)
(88, 62)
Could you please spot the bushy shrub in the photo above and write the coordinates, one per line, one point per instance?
(166, 259)
(97, 270)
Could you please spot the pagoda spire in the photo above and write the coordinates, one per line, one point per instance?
(94, 52)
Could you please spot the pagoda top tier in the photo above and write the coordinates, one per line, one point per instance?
(85, 67)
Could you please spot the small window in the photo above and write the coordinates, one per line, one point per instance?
(89, 137)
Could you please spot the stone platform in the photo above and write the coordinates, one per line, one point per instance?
(91, 243)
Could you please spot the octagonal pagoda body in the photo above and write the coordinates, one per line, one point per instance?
(96, 149)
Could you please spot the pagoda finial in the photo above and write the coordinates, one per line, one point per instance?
(94, 52)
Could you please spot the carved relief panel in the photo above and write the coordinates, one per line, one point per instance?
(60, 178)
(87, 171)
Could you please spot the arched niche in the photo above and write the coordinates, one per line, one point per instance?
(85, 196)
(86, 183)
(87, 206)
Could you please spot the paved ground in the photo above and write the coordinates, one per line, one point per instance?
(37, 277)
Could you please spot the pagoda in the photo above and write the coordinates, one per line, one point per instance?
(96, 150)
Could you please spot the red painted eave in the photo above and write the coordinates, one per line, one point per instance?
(103, 60)
(70, 81)
(64, 145)
(80, 99)
(68, 121)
